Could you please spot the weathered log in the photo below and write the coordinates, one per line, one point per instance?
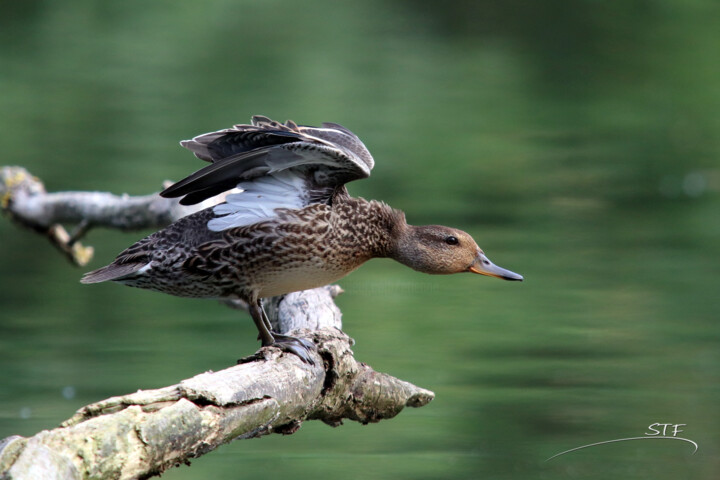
(142, 434)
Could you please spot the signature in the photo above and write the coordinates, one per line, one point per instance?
(654, 432)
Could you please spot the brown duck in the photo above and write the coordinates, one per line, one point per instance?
(289, 225)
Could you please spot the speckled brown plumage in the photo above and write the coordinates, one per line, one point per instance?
(307, 248)
(291, 227)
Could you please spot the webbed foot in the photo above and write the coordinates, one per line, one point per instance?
(294, 345)
(298, 346)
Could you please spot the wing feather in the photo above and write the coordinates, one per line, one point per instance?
(259, 199)
(275, 165)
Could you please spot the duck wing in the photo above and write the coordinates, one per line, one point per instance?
(274, 165)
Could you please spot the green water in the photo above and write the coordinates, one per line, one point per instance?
(577, 142)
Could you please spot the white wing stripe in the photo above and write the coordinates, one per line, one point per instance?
(259, 199)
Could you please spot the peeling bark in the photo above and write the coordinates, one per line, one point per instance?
(140, 435)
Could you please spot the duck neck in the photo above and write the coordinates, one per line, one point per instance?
(375, 223)
(392, 227)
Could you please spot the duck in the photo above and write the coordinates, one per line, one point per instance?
(287, 223)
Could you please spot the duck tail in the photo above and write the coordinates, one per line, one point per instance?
(113, 271)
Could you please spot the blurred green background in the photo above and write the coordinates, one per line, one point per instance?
(578, 142)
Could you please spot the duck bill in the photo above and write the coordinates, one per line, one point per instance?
(483, 266)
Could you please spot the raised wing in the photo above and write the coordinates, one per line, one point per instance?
(275, 165)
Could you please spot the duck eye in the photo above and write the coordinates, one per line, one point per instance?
(451, 240)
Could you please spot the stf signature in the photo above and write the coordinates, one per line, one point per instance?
(654, 431)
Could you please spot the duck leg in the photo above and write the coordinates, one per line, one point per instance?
(259, 317)
(297, 346)
(265, 318)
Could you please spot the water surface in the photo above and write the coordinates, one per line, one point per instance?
(576, 141)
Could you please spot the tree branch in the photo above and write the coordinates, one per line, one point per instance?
(24, 199)
(140, 435)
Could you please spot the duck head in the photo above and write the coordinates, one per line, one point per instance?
(442, 250)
